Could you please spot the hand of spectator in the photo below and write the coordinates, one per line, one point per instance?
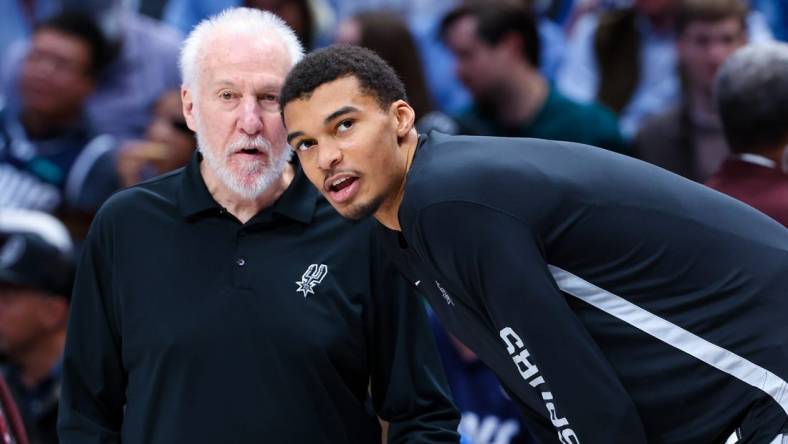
(139, 159)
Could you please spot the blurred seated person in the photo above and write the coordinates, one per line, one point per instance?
(752, 98)
(36, 275)
(386, 33)
(46, 141)
(488, 414)
(19, 17)
(497, 49)
(625, 58)
(776, 14)
(142, 64)
(168, 144)
(687, 137)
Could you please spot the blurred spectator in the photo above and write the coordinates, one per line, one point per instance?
(776, 14)
(143, 65)
(36, 274)
(488, 414)
(752, 97)
(168, 144)
(626, 59)
(43, 140)
(312, 20)
(12, 429)
(19, 17)
(497, 49)
(687, 138)
(386, 33)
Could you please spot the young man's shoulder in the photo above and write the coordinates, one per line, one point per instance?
(473, 169)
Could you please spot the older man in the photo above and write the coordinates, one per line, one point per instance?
(227, 302)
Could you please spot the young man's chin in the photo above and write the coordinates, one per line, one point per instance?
(359, 211)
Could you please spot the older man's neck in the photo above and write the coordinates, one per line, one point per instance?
(242, 208)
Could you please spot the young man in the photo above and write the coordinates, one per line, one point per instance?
(227, 302)
(616, 302)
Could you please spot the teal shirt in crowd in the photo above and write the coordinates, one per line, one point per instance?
(559, 119)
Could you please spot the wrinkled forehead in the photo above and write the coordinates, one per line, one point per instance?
(264, 53)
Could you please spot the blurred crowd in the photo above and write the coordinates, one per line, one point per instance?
(90, 103)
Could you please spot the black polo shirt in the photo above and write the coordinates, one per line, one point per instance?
(617, 302)
(190, 327)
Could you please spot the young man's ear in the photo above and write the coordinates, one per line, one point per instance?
(187, 103)
(405, 117)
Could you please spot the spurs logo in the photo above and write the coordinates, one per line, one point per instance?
(311, 277)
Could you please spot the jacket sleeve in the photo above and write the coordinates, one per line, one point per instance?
(408, 385)
(495, 262)
(94, 380)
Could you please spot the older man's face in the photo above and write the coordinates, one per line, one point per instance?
(234, 110)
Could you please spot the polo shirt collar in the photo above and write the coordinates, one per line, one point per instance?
(298, 202)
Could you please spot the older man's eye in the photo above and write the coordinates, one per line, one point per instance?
(226, 95)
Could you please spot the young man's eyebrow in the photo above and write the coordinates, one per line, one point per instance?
(293, 135)
(329, 118)
(339, 112)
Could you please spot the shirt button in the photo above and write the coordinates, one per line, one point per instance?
(240, 261)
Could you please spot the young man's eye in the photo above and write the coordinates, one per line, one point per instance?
(304, 145)
(344, 125)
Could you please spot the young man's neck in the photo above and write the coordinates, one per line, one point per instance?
(37, 363)
(388, 213)
(242, 208)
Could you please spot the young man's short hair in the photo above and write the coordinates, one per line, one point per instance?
(690, 11)
(495, 20)
(375, 76)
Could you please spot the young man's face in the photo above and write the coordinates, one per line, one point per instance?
(704, 45)
(233, 107)
(348, 146)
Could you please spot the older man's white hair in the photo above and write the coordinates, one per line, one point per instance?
(235, 21)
